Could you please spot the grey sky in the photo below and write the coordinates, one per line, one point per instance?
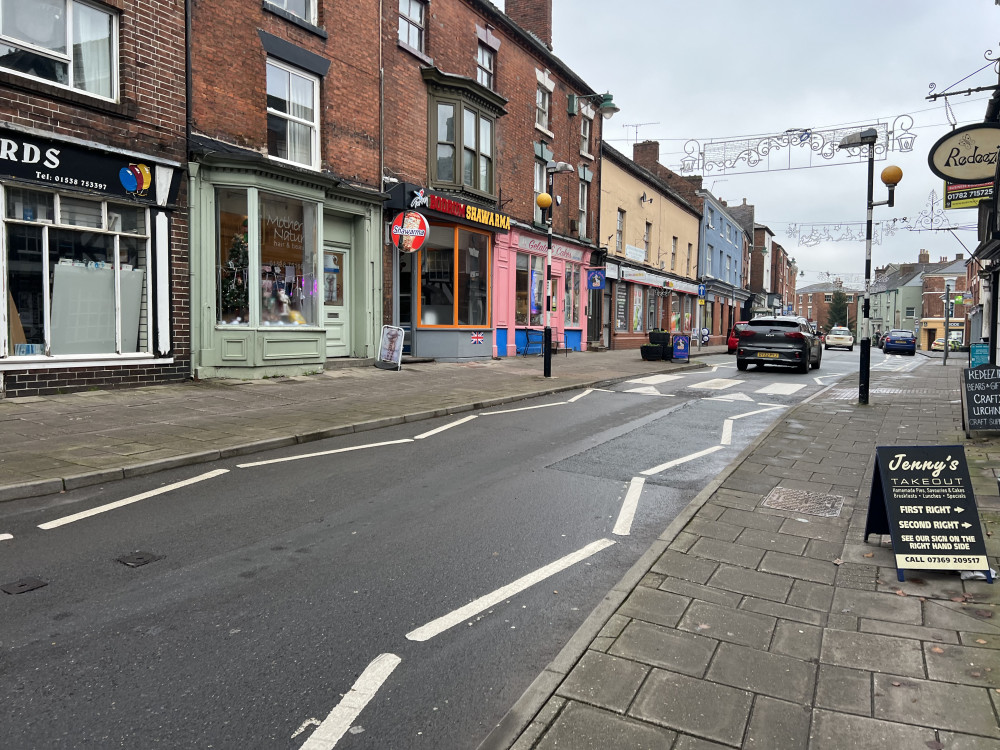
(719, 69)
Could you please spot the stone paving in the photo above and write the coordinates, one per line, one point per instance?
(750, 626)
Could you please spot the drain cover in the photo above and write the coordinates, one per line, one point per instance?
(25, 584)
(138, 558)
(802, 501)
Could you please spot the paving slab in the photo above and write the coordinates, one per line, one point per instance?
(589, 728)
(875, 653)
(836, 731)
(763, 673)
(652, 605)
(736, 554)
(935, 704)
(963, 664)
(877, 606)
(668, 648)
(845, 690)
(713, 621)
(751, 582)
(604, 680)
(777, 725)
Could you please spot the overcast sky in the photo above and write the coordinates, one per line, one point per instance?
(723, 69)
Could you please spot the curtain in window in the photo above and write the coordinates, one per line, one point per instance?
(92, 50)
(301, 107)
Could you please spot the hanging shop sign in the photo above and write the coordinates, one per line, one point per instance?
(58, 164)
(409, 231)
(595, 278)
(966, 194)
(966, 154)
(921, 496)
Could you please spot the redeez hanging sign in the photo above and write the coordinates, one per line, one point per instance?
(921, 496)
(409, 230)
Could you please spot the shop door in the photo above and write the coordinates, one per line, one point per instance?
(336, 302)
(606, 319)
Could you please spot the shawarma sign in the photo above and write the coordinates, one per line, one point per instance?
(967, 154)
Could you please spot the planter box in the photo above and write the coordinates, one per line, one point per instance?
(651, 352)
(659, 337)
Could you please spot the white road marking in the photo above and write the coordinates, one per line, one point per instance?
(445, 427)
(625, 516)
(730, 397)
(781, 389)
(679, 461)
(324, 453)
(129, 500)
(328, 734)
(438, 626)
(727, 433)
(578, 396)
(523, 408)
(716, 384)
(759, 411)
(654, 379)
(646, 390)
(5, 537)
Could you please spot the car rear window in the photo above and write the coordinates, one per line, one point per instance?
(766, 325)
(840, 332)
(897, 332)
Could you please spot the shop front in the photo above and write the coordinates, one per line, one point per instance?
(85, 267)
(641, 301)
(520, 300)
(442, 297)
(284, 265)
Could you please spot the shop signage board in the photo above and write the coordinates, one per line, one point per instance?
(966, 194)
(409, 231)
(595, 278)
(390, 348)
(682, 346)
(967, 154)
(981, 394)
(979, 354)
(921, 496)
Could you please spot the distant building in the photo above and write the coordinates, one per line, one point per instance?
(813, 302)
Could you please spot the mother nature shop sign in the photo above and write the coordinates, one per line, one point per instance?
(922, 498)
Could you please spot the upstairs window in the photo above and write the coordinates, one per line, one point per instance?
(540, 188)
(485, 65)
(583, 205)
(620, 233)
(304, 9)
(586, 127)
(292, 115)
(411, 23)
(543, 105)
(470, 166)
(64, 42)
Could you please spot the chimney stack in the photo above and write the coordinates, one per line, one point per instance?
(959, 256)
(924, 257)
(646, 154)
(534, 16)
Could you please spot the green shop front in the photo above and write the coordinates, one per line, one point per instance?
(283, 266)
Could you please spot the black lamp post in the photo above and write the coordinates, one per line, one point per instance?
(544, 201)
(890, 176)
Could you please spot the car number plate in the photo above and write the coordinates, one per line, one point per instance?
(768, 355)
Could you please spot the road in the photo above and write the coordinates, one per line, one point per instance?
(392, 589)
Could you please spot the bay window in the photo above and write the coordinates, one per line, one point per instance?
(75, 274)
(471, 167)
(65, 42)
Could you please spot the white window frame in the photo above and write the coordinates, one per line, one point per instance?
(543, 101)
(910, 312)
(647, 235)
(310, 14)
(151, 310)
(583, 206)
(586, 135)
(407, 20)
(620, 232)
(486, 66)
(314, 124)
(540, 188)
(67, 58)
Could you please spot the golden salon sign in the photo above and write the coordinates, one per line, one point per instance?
(967, 154)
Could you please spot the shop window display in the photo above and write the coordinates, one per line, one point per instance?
(454, 270)
(75, 271)
(529, 288)
(572, 295)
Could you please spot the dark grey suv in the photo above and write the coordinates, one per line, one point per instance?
(779, 340)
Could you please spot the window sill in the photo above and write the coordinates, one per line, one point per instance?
(297, 20)
(547, 132)
(587, 155)
(415, 52)
(124, 108)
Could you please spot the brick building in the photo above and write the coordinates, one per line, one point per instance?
(813, 302)
(476, 107)
(285, 176)
(94, 265)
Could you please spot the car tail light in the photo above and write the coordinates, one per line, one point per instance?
(795, 335)
(746, 334)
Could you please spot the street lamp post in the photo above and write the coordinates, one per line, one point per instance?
(890, 176)
(544, 201)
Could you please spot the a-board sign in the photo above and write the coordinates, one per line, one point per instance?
(390, 348)
(979, 354)
(922, 498)
(981, 394)
(682, 348)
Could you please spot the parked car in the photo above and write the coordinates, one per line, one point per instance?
(938, 345)
(840, 337)
(899, 340)
(779, 340)
(734, 336)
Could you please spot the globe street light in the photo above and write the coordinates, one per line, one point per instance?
(544, 201)
(891, 176)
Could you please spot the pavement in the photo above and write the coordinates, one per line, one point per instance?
(742, 626)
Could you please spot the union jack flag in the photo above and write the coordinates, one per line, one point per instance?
(476, 338)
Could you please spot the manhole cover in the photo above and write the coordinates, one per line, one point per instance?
(801, 501)
(25, 584)
(138, 558)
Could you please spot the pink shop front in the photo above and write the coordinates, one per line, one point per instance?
(519, 293)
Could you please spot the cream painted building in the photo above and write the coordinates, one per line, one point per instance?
(651, 234)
